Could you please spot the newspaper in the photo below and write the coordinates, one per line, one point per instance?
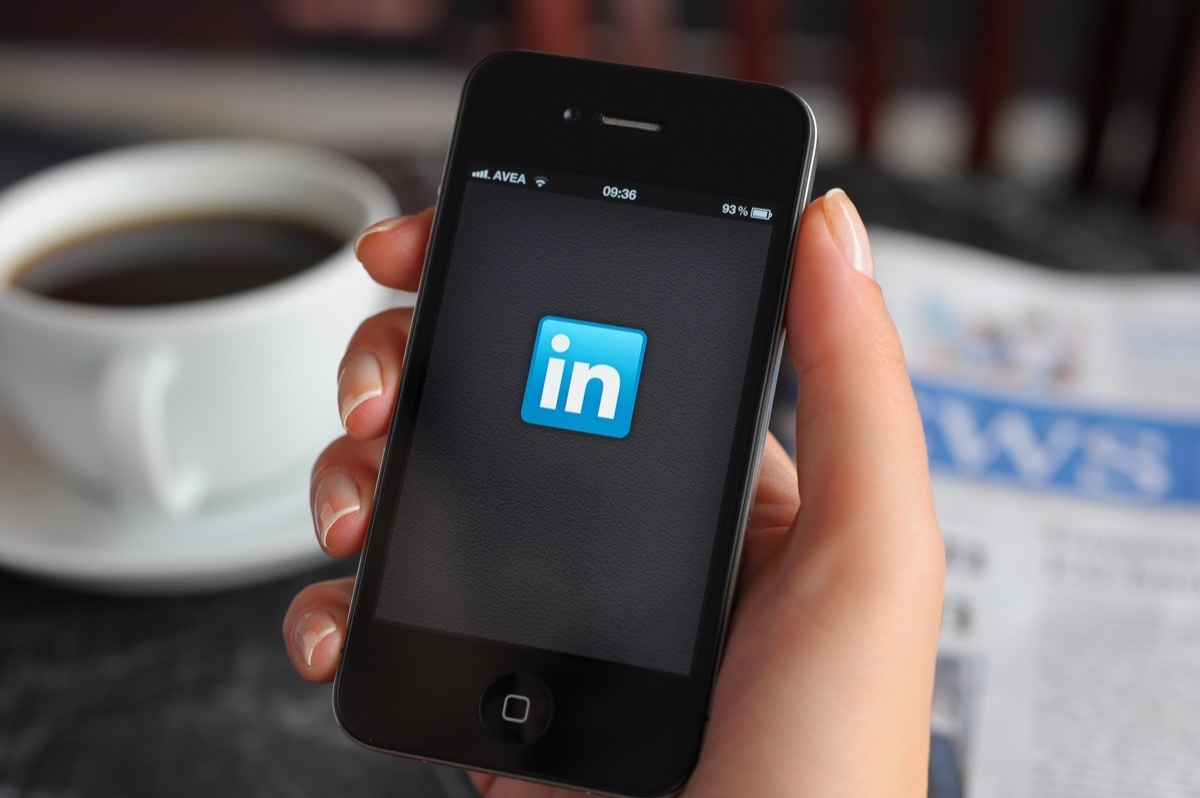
(1062, 414)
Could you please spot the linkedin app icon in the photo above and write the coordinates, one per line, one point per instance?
(584, 376)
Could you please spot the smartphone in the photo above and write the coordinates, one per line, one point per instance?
(554, 543)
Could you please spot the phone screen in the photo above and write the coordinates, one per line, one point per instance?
(569, 454)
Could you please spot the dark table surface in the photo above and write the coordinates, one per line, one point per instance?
(107, 696)
(194, 696)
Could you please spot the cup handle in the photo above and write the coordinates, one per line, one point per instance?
(134, 389)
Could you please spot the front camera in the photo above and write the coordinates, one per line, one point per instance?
(572, 115)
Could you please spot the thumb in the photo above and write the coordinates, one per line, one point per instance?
(860, 447)
(864, 567)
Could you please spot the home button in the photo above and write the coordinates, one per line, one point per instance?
(516, 708)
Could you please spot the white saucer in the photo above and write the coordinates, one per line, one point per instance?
(53, 532)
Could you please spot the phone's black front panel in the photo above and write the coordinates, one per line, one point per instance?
(546, 572)
(605, 733)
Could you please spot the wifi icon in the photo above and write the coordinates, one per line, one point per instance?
(540, 181)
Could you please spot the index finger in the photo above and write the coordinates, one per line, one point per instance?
(393, 250)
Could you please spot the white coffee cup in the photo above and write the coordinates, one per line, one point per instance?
(165, 409)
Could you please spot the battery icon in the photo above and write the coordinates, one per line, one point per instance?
(760, 213)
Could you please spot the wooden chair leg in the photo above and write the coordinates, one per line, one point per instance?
(554, 26)
(873, 58)
(1172, 186)
(1000, 53)
(756, 25)
(1102, 90)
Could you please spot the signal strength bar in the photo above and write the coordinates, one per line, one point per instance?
(480, 173)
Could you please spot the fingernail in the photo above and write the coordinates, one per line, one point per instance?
(313, 627)
(378, 227)
(849, 232)
(336, 496)
(361, 379)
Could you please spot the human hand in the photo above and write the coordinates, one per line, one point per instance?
(827, 679)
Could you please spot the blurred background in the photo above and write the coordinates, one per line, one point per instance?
(1063, 135)
(1066, 98)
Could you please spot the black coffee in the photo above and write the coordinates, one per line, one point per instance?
(176, 260)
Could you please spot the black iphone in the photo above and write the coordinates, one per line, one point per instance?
(552, 555)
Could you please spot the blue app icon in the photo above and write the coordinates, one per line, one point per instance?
(583, 376)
